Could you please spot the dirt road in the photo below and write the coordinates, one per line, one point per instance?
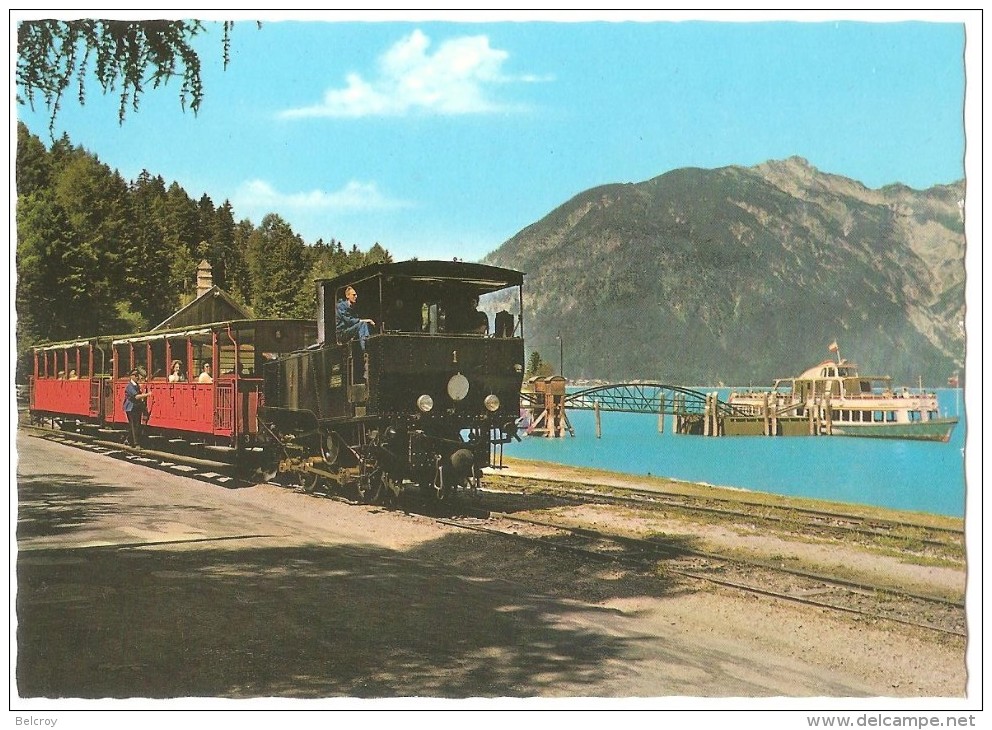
(134, 582)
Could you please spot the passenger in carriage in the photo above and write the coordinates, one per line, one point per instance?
(176, 373)
(72, 375)
(206, 375)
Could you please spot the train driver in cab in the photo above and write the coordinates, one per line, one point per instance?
(349, 326)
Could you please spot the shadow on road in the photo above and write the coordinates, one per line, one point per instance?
(467, 615)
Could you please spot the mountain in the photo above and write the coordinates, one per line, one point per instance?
(739, 275)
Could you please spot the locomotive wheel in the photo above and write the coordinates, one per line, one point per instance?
(330, 448)
(376, 489)
(307, 482)
(385, 492)
(264, 471)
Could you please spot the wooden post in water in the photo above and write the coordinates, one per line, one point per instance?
(599, 427)
(661, 412)
(706, 415)
(766, 416)
(552, 426)
(713, 415)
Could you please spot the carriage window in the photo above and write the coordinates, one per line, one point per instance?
(142, 358)
(103, 363)
(159, 368)
(246, 358)
(225, 360)
(203, 351)
(122, 354)
(84, 363)
(178, 351)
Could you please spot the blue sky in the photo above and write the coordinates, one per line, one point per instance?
(445, 138)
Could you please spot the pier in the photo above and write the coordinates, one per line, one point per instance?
(695, 412)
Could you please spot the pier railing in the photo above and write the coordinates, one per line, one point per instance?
(694, 411)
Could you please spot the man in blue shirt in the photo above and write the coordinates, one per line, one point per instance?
(134, 407)
(348, 325)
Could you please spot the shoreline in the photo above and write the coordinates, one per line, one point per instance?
(591, 476)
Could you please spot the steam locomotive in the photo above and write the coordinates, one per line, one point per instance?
(428, 399)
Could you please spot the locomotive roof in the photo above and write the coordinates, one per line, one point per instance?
(489, 278)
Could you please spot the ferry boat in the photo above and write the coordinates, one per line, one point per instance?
(834, 399)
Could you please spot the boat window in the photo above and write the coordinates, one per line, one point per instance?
(890, 416)
(915, 416)
(878, 416)
(845, 415)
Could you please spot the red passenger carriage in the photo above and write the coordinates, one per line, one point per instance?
(80, 384)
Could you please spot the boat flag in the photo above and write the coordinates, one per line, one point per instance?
(833, 347)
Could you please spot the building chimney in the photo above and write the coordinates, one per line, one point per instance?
(204, 279)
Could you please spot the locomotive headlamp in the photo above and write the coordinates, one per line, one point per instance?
(491, 402)
(425, 403)
(458, 387)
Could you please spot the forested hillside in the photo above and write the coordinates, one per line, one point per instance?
(98, 254)
(741, 275)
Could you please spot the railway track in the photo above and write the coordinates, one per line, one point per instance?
(214, 472)
(227, 475)
(871, 601)
(926, 540)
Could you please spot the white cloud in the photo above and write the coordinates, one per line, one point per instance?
(354, 197)
(458, 78)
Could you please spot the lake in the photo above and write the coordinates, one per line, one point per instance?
(916, 476)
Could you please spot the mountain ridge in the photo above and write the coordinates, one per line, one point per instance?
(743, 274)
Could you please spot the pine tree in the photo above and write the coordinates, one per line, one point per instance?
(277, 263)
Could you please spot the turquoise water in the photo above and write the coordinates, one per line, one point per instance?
(917, 476)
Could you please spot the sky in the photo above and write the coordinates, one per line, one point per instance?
(439, 138)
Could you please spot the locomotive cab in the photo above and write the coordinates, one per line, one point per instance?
(428, 397)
